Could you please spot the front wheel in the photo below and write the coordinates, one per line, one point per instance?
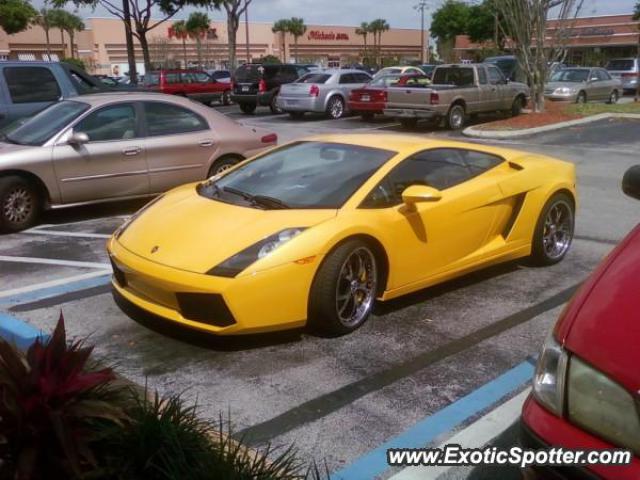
(335, 107)
(20, 204)
(581, 98)
(248, 108)
(344, 290)
(554, 230)
(273, 106)
(613, 98)
(456, 117)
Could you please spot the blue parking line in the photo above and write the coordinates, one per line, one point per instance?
(48, 292)
(18, 331)
(423, 433)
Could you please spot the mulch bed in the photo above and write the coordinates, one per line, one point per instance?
(554, 113)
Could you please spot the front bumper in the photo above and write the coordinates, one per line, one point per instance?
(274, 299)
(630, 84)
(300, 104)
(570, 97)
(541, 429)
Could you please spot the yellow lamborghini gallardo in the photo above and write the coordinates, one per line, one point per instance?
(315, 231)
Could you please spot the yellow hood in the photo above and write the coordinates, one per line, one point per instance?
(189, 232)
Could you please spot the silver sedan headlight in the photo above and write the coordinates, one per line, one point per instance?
(565, 91)
(548, 382)
(599, 405)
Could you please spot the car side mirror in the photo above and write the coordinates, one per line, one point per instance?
(420, 193)
(631, 182)
(78, 138)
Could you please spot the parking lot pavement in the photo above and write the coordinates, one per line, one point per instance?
(338, 399)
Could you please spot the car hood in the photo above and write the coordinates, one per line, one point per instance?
(554, 85)
(602, 324)
(193, 233)
(6, 148)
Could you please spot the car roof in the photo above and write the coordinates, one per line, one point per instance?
(97, 99)
(333, 71)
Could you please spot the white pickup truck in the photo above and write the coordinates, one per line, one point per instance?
(457, 91)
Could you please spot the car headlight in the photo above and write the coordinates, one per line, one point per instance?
(601, 406)
(549, 379)
(127, 223)
(565, 91)
(236, 264)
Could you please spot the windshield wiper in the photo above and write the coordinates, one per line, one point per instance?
(261, 200)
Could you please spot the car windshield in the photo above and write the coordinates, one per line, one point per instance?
(314, 78)
(385, 80)
(301, 175)
(623, 64)
(37, 130)
(570, 75)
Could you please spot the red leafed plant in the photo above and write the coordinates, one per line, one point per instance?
(51, 400)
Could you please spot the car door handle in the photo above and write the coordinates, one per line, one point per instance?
(206, 143)
(130, 152)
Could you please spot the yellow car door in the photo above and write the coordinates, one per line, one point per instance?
(433, 237)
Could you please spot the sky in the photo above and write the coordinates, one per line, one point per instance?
(399, 13)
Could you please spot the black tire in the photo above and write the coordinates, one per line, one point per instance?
(517, 106)
(222, 164)
(248, 108)
(581, 98)
(20, 204)
(539, 254)
(296, 115)
(324, 315)
(273, 106)
(613, 98)
(226, 98)
(367, 117)
(335, 107)
(456, 117)
(409, 123)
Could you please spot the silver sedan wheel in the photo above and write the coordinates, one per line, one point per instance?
(336, 108)
(223, 168)
(558, 230)
(356, 287)
(17, 205)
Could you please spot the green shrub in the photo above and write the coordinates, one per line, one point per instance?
(75, 62)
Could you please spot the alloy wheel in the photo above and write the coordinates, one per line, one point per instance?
(17, 205)
(558, 230)
(336, 109)
(356, 287)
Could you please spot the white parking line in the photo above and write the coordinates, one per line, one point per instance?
(475, 435)
(61, 233)
(53, 261)
(52, 283)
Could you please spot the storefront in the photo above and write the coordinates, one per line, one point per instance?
(102, 46)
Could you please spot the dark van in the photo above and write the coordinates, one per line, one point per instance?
(258, 84)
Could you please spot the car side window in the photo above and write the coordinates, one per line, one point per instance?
(482, 76)
(440, 168)
(31, 84)
(201, 77)
(495, 76)
(112, 123)
(166, 119)
(346, 78)
(172, 78)
(362, 78)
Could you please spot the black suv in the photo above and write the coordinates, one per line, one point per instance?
(258, 84)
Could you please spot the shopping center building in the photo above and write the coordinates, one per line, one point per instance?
(102, 45)
(590, 40)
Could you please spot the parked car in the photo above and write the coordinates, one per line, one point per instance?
(256, 84)
(404, 69)
(220, 75)
(321, 92)
(111, 146)
(428, 69)
(108, 81)
(457, 91)
(585, 388)
(315, 232)
(509, 66)
(28, 87)
(627, 70)
(581, 85)
(371, 99)
(195, 84)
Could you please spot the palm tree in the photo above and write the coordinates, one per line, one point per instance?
(197, 26)
(71, 24)
(282, 27)
(46, 20)
(378, 26)
(180, 30)
(57, 19)
(297, 28)
(364, 31)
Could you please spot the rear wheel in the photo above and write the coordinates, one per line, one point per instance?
(248, 108)
(335, 107)
(613, 98)
(344, 290)
(223, 164)
(274, 105)
(20, 204)
(554, 231)
(456, 117)
(409, 122)
(581, 98)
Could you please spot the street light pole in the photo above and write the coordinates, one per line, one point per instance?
(421, 6)
(246, 29)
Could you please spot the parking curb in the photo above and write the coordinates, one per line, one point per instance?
(506, 134)
(19, 332)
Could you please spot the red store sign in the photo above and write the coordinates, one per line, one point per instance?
(320, 35)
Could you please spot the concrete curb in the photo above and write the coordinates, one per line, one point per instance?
(19, 332)
(506, 134)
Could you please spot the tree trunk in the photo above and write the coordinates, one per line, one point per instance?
(232, 30)
(637, 95)
(199, 49)
(71, 42)
(365, 47)
(46, 34)
(184, 51)
(144, 45)
(128, 36)
(295, 48)
(64, 47)
(284, 47)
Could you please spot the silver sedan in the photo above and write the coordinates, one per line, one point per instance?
(325, 91)
(581, 85)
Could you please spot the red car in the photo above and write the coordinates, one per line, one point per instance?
(587, 382)
(195, 84)
(371, 99)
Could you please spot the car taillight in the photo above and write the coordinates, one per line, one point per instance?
(262, 86)
(314, 91)
(271, 138)
(629, 75)
(434, 99)
(232, 85)
(381, 95)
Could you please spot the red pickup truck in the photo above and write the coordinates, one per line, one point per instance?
(195, 84)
